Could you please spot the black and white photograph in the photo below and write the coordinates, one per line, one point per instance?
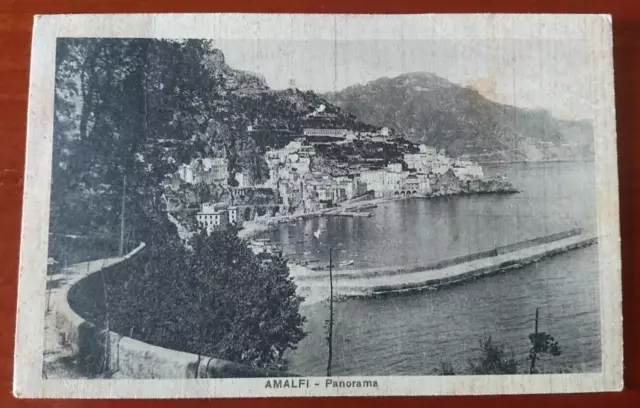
(323, 214)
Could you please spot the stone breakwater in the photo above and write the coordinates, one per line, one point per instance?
(409, 278)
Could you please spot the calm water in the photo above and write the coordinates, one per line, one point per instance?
(412, 334)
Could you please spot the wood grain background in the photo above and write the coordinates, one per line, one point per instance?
(16, 17)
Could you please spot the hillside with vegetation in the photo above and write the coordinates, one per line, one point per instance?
(142, 107)
(127, 113)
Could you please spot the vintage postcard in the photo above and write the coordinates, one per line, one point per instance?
(256, 205)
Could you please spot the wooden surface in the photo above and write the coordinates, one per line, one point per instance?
(15, 37)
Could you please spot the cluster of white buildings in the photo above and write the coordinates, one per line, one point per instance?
(289, 163)
(422, 169)
(428, 160)
(301, 188)
(205, 170)
(394, 181)
(290, 171)
(316, 190)
(291, 174)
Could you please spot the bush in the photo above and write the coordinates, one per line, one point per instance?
(493, 359)
(445, 368)
(219, 300)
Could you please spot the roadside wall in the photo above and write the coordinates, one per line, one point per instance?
(99, 352)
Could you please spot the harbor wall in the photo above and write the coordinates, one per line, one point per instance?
(463, 277)
(395, 270)
(538, 241)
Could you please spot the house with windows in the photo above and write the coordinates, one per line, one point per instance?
(213, 216)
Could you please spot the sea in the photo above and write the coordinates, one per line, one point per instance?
(414, 334)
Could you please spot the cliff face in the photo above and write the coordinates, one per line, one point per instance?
(429, 109)
(241, 99)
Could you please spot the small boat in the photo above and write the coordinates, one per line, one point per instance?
(346, 263)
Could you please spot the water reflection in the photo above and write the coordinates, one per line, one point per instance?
(410, 335)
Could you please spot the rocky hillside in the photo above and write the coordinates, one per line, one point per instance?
(429, 109)
(241, 99)
(141, 107)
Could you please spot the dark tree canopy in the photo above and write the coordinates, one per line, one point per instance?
(220, 300)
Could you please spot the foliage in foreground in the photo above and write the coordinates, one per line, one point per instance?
(219, 300)
(493, 357)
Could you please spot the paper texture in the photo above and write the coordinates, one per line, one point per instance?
(252, 205)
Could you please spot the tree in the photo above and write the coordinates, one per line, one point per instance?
(219, 300)
(541, 342)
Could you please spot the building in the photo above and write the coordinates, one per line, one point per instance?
(233, 215)
(467, 170)
(216, 169)
(244, 179)
(324, 132)
(307, 150)
(293, 146)
(186, 173)
(428, 160)
(213, 216)
(424, 184)
(410, 185)
(207, 170)
(428, 150)
(291, 193)
(394, 167)
(383, 182)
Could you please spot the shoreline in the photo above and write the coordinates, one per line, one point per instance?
(297, 270)
(252, 228)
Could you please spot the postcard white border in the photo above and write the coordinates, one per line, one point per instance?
(596, 29)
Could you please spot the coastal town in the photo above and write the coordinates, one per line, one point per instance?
(322, 170)
(203, 224)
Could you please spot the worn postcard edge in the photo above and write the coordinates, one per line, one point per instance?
(28, 381)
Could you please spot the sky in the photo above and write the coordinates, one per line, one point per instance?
(548, 74)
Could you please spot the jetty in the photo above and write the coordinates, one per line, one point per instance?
(351, 214)
(430, 276)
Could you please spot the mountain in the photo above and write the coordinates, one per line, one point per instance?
(429, 109)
